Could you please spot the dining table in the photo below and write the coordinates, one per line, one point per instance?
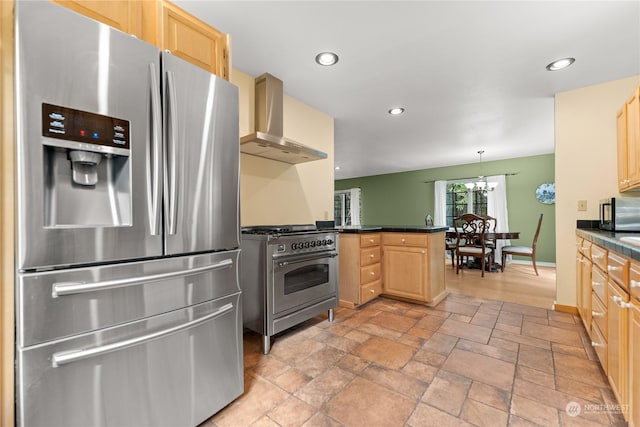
(493, 235)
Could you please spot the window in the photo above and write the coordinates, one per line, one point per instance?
(462, 200)
(346, 204)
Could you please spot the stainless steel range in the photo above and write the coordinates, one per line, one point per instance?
(289, 274)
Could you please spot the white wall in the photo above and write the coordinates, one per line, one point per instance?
(273, 192)
(586, 166)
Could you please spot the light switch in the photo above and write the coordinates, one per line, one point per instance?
(582, 205)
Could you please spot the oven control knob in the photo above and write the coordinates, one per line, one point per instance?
(307, 244)
(312, 243)
(294, 246)
(329, 242)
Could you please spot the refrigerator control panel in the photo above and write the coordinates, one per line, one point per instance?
(82, 130)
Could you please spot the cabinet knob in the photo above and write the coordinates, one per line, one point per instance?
(612, 268)
(372, 291)
(596, 314)
(371, 256)
(370, 240)
(403, 240)
(635, 284)
(373, 273)
(595, 344)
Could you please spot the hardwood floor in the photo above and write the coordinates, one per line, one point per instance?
(518, 284)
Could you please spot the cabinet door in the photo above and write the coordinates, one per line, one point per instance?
(585, 284)
(623, 152)
(634, 364)
(633, 138)
(194, 41)
(125, 15)
(405, 272)
(617, 342)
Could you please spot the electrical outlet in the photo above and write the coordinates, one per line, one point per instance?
(582, 205)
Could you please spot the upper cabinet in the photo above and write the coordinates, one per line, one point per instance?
(628, 133)
(188, 38)
(165, 25)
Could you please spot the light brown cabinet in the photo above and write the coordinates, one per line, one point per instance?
(164, 25)
(360, 272)
(413, 266)
(583, 275)
(628, 141)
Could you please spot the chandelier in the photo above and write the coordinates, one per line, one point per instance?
(481, 184)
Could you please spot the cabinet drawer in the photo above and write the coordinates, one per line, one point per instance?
(369, 273)
(599, 314)
(618, 268)
(599, 345)
(634, 280)
(370, 291)
(599, 257)
(404, 239)
(584, 247)
(369, 256)
(369, 239)
(599, 283)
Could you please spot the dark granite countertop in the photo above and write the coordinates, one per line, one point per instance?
(394, 228)
(611, 240)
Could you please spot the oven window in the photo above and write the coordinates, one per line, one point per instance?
(305, 277)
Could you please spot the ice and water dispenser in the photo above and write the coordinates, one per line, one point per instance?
(87, 170)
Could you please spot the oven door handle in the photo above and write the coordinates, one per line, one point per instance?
(308, 258)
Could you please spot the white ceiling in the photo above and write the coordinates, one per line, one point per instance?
(471, 75)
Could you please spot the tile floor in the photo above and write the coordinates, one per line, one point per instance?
(468, 361)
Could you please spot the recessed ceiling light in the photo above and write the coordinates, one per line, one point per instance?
(337, 168)
(559, 64)
(396, 111)
(326, 58)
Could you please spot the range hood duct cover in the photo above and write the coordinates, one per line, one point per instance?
(268, 140)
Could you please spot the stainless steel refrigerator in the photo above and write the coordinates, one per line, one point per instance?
(127, 301)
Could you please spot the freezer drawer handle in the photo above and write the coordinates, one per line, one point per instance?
(65, 357)
(70, 288)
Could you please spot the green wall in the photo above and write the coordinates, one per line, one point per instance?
(406, 198)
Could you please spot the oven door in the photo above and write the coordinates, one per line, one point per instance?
(303, 280)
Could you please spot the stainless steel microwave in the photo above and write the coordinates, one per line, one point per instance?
(620, 214)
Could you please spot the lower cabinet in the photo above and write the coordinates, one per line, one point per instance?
(360, 276)
(617, 325)
(634, 364)
(413, 266)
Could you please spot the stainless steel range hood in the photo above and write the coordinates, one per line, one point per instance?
(268, 140)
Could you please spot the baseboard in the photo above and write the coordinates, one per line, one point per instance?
(541, 264)
(565, 308)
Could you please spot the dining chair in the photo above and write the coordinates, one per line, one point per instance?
(524, 250)
(470, 239)
(491, 227)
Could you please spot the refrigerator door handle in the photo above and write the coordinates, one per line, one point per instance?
(71, 288)
(154, 154)
(172, 137)
(70, 356)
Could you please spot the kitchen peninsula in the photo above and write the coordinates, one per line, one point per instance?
(404, 262)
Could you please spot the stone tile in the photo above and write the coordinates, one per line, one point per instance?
(352, 363)
(385, 352)
(440, 344)
(488, 350)
(461, 318)
(426, 415)
(420, 371)
(420, 333)
(524, 309)
(504, 344)
(292, 379)
(364, 403)
(481, 368)
(338, 329)
(579, 369)
(259, 397)
(521, 339)
(507, 328)
(430, 323)
(379, 331)
(533, 412)
(538, 377)
(559, 316)
(578, 421)
(515, 421)
(569, 349)
(579, 389)
(393, 321)
(341, 343)
(358, 336)
(292, 412)
(485, 319)
(270, 368)
(459, 329)
(429, 358)
(479, 414)
(536, 320)
(398, 381)
(265, 421)
(449, 306)
(447, 392)
(489, 395)
(568, 326)
(321, 420)
(512, 319)
(536, 358)
(292, 351)
(551, 333)
(320, 361)
(322, 388)
(411, 340)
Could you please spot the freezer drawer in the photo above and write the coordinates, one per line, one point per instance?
(57, 304)
(175, 369)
